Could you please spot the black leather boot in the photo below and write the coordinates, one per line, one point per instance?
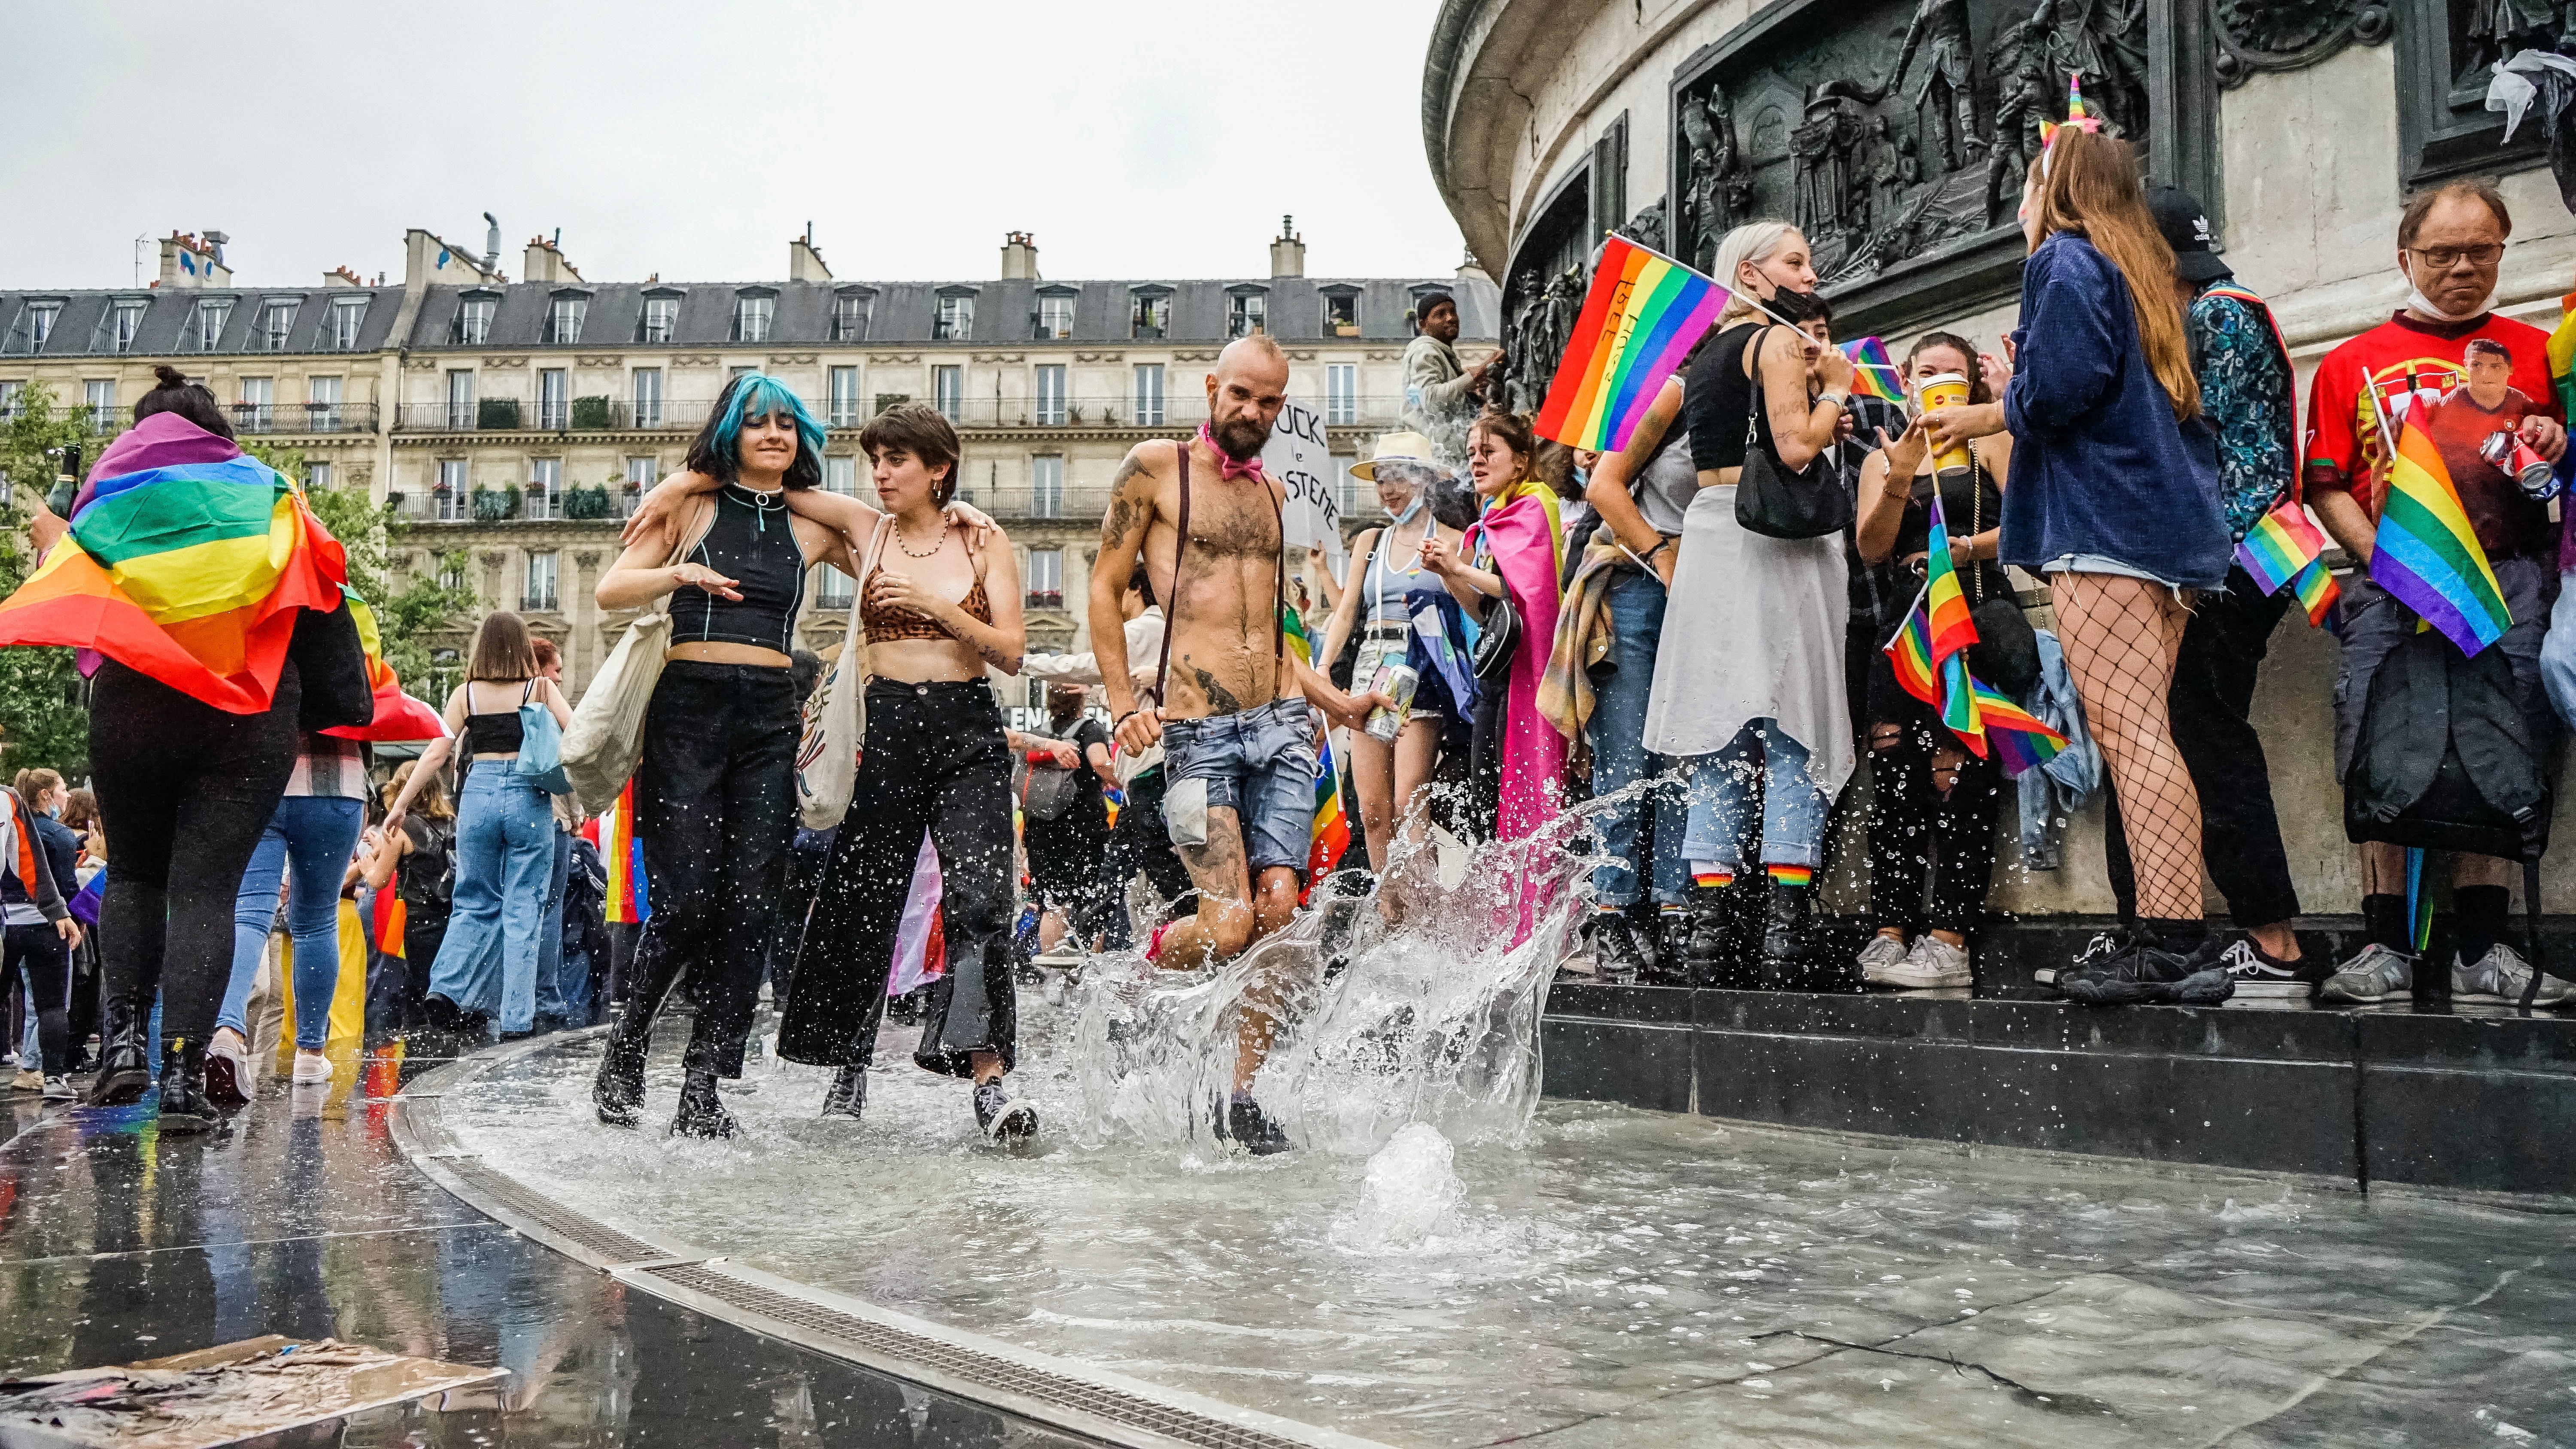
(184, 1108)
(1705, 946)
(1618, 959)
(702, 1113)
(848, 1094)
(617, 1093)
(124, 1071)
(1789, 957)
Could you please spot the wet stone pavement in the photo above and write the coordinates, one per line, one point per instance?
(118, 1244)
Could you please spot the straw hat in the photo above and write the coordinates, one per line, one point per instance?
(1396, 448)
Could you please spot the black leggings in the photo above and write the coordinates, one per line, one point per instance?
(1914, 829)
(43, 960)
(936, 761)
(184, 792)
(715, 806)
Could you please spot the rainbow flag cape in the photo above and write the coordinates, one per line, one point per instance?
(2562, 356)
(1642, 314)
(1872, 372)
(399, 716)
(190, 573)
(385, 931)
(613, 831)
(2425, 553)
(1910, 652)
(2285, 550)
(1332, 828)
(1952, 631)
(2019, 737)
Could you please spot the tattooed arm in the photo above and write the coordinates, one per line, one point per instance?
(1122, 543)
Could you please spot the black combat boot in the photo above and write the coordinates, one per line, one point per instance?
(184, 1108)
(702, 1113)
(124, 1070)
(848, 1094)
(1617, 958)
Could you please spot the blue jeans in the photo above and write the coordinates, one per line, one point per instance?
(551, 1001)
(505, 848)
(1619, 754)
(1721, 800)
(308, 841)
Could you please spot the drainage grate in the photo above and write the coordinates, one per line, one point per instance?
(616, 1248)
(974, 1366)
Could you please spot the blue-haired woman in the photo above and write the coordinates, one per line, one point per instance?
(715, 794)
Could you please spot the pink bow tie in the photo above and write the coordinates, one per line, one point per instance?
(1227, 470)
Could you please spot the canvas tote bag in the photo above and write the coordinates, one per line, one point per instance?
(836, 715)
(606, 740)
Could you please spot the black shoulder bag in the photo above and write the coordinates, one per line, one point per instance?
(1773, 501)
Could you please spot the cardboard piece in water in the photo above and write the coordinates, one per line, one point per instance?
(1297, 456)
(218, 1395)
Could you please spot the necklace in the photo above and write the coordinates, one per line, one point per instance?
(936, 544)
(762, 504)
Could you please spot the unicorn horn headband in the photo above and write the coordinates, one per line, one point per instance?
(2076, 116)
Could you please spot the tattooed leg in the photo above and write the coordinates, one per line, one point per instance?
(1223, 925)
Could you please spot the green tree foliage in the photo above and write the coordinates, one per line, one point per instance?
(44, 714)
(404, 619)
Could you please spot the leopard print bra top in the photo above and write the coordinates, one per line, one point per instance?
(885, 624)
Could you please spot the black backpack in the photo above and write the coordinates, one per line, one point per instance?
(2446, 760)
(429, 873)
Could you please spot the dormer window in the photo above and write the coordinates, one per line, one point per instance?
(204, 329)
(1341, 311)
(1055, 314)
(473, 324)
(342, 323)
(1247, 311)
(955, 319)
(276, 322)
(564, 316)
(850, 309)
(1149, 313)
(661, 319)
(117, 326)
(752, 313)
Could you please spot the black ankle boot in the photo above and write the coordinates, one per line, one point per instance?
(617, 1093)
(702, 1113)
(848, 1094)
(124, 1071)
(1704, 939)
(1788, 939)
(184, 1107)
(1617, 957)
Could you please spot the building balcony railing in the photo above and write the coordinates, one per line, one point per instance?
(590, 414)
(304, 417)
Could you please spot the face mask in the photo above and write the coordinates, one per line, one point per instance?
(1795, 306)
(1410, 509)
(2416, 299)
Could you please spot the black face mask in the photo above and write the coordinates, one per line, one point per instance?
(1794, 306)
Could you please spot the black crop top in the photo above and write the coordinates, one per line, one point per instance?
(751, 542)
(1716, 398)
(1965, 511)
(497, 733)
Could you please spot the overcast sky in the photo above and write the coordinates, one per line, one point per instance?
(1136, 138)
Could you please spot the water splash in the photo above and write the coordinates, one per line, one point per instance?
(1411, 1191)
(1431, 1017)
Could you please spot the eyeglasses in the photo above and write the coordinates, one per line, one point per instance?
(2484, 254)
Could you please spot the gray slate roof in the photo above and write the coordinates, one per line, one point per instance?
(77, 331)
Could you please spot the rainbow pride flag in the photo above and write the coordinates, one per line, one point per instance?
(613, 831)
(385, 931)
(2426, 554)
(1952, 631)
(1910, 652)
(2020, 739)
(1332, 835)
(2562, 356)
(1642, 315)
(191, 574)
(1872, 372)
(2285, 550)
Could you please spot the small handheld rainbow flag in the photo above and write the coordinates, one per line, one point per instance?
(390, 916)
(1952, 632)
(2285, 550)
(613, 831)
(1872, 372)
(1909, 652)
(2020, 739)
(1641, 316)
(1332, 834)
(2426, 554)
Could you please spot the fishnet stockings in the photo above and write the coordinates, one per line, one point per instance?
(2121, 635)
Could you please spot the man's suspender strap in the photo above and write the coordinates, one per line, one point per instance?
(1172, 596)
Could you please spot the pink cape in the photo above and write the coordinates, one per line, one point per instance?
(1523, 539)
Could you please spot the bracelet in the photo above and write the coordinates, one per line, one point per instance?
(1840, 400)
(1122, 719)
(1661, 543)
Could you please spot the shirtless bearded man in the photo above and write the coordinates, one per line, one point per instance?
(1237, 736)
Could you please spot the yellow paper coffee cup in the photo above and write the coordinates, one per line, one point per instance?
(1944, 390)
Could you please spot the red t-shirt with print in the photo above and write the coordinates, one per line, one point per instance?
(2411, 364)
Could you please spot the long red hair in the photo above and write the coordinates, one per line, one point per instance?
(2087, 184)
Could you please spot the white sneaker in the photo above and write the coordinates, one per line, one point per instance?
(311, 1067)
(2500, 975)
(1064, 957)
(59, 1090)
(1932, 963)
(1883, 954)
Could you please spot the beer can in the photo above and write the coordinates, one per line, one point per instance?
(2511, 455)
(1397, 682)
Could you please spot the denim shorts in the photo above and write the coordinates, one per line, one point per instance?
(1260, 764)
